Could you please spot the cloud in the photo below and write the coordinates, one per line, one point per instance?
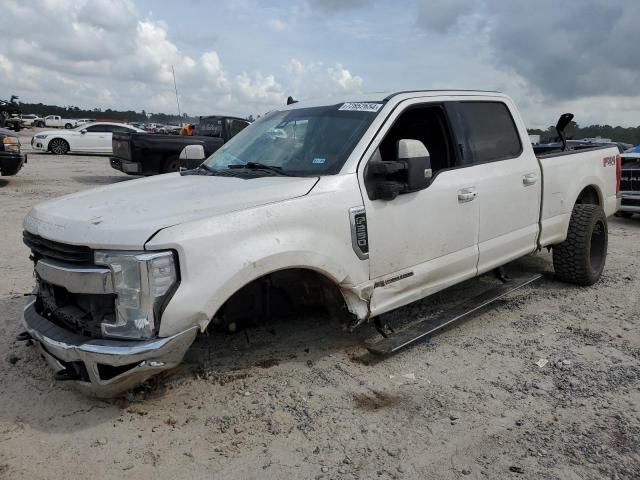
(316, 80)
(332, 6)
(105, 53)
(580, 48)
(442, 15)
(276, 25)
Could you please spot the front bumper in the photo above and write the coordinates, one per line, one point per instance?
(126, 166)
(107, 367)
(41, 144)
(11, 163)
(630, 202)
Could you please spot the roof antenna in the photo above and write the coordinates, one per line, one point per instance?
(291, 101)
(175, 85)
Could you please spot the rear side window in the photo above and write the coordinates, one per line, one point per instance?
(236, 126)
(490, 131)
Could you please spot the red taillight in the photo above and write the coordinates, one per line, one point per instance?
(618, 172)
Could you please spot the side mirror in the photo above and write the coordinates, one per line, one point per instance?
(416, 157)
(191, 157)
(83, 131)
(409, 172)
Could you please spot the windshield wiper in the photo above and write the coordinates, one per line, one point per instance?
(206, 167)
(261, 166)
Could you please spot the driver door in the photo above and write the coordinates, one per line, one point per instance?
(93, 140)
(425, 241)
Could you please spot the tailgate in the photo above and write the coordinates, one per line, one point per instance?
(121, 144)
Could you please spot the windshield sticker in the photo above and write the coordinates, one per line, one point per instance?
(319, 160)
(361, 107)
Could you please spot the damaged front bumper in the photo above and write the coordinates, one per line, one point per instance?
(99, 367)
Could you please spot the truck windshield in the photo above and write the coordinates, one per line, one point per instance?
(300, 142)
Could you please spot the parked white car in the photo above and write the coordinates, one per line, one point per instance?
(87, 138)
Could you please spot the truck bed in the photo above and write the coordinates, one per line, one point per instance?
(563, 174)
(152, 152)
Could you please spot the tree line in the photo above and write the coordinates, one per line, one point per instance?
(575, 131)
(43, 110)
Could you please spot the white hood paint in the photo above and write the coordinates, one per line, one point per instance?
(125, 215)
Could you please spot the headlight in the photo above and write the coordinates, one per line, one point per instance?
(40, 136)
(11, 144)
(141, 281)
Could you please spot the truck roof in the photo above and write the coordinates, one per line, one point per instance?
(385, 96)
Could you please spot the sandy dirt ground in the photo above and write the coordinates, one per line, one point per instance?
(301, 399)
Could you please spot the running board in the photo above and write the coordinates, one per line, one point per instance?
(419, 330)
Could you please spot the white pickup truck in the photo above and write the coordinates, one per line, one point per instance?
(362, 206)
(55, 121)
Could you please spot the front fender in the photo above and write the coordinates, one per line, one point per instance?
(220, 255)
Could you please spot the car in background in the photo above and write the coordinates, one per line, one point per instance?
(56, 121)
(160, 153)
(11, 159)
(87, 138)
(630, 184)
(29, 119)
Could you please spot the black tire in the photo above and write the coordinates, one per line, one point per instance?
(171, 164)
(58, 146)
(68, 126)
(624, 214)
(581, 257)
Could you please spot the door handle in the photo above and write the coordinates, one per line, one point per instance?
(467, 195)
(529, 179)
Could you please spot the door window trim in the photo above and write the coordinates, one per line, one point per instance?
(460, 128)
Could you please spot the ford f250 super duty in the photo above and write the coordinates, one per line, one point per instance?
(366, 205)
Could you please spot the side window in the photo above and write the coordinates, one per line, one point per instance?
(236, 126)
(95, 128)
(489, 131)
(427, 123)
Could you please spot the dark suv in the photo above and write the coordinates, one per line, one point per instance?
(630, 185)
(11, 160)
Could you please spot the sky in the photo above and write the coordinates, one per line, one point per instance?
(245, 57)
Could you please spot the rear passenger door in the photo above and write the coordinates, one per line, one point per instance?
(506, 175)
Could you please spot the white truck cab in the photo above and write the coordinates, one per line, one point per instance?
(362, 205)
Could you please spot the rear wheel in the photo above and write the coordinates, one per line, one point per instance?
(624, 214)
(58, 146)
(580, 259)
(171, 165)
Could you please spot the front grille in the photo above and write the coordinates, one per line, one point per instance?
(41, 247)
(630, 180)
(630, 202)
(78, 313)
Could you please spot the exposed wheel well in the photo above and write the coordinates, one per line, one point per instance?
(589, 196)
(281, 294)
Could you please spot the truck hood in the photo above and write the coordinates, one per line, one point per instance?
(125, 215)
